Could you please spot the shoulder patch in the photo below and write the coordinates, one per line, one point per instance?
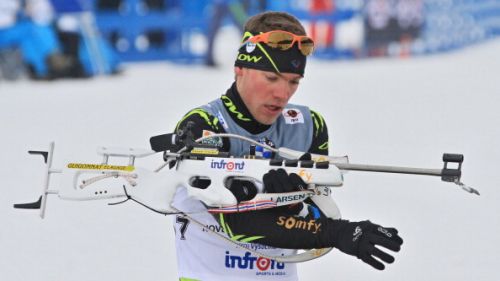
(293, 116)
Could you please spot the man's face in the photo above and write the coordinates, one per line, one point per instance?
(265, 93)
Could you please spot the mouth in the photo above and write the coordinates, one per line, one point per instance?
(274, 109)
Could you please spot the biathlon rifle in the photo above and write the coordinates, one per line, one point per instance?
(207, 173)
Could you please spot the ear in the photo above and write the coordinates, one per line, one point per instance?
(238, 71)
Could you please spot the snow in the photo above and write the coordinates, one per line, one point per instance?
(379, 111)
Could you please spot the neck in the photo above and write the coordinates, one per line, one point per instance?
(240, 113)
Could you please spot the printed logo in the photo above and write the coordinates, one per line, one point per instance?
(292, 222)
(288, 198)
(263, 263)
(320, 158)
(293, 116)
(384, 231)
(229, 166)
(222, 120)
(357, 233)
(295, 63)
(292, 113)
(306, 176)
(217, 141)
(205, 151)
(83, 166)
(214, 228)
(250, 47)
(256, 247)
(264, 266)
(248, 58)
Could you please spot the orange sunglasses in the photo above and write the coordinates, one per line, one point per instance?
(283, 40)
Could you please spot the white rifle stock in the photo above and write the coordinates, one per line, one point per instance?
(155, 189)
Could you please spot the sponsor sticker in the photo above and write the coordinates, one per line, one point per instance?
(293, 116)
(306, 176)
(84, 166)
(216, 141)
(291, 198)
(222, 120)
(205, 151)
(227, 165)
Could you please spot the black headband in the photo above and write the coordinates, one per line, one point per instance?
(262, 57)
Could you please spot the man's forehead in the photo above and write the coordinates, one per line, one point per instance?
(290, 76)
(287, 76)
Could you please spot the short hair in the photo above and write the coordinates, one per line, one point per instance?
(268, 21)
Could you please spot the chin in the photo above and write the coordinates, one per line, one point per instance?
(267, 121)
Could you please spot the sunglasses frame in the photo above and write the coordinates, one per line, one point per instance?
(264, 38)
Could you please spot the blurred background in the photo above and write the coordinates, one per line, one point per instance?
(52, 39)
(399, 82)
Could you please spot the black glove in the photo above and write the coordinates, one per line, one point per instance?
(361, 238)
(278, 181)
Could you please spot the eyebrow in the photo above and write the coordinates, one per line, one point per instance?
(282, 76)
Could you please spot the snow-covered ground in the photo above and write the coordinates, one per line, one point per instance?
(381, 111)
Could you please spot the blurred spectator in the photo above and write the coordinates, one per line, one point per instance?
(322, 32)
(221, 8)
(81, 39)
(27, 26)
(238, 11)
(392, 23)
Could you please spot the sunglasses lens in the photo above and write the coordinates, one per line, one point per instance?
(306, 46)
(284, 40)
(280, 40)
